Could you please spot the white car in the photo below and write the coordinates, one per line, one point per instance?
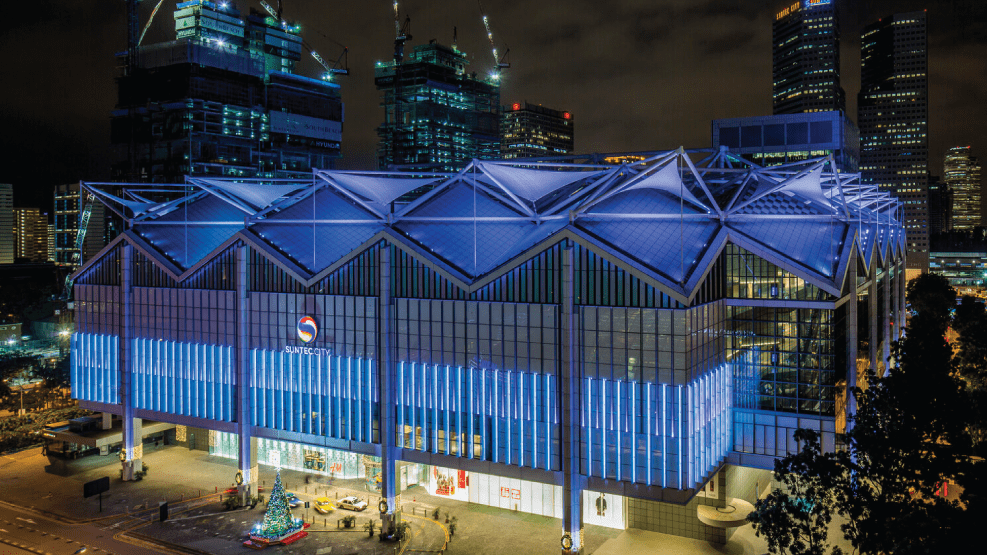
(352, 503)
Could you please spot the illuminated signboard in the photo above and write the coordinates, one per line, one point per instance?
(790, 9)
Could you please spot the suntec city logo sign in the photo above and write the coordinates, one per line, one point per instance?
(307, 330)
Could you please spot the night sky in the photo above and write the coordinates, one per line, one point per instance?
(636, 74)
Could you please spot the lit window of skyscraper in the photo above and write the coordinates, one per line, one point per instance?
(893, 113)
(806, 58)
(962, 174)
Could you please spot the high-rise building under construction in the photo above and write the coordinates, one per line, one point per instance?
(223, 99)
(436, 115)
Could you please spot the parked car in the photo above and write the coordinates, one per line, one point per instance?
(324, 505)
(352, 503)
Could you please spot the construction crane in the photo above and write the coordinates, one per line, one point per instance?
(402, 34)
(80, 240)
(341, 67)
(149, 20)
(500, 62)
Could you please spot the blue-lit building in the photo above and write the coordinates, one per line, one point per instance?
(530, 337)
(780, 139)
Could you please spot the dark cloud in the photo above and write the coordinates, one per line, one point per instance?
(636, 74)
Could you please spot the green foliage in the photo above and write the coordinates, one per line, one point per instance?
(932, 296)
(370, 527)
(913, 428)
(349, 521)
(795, 519)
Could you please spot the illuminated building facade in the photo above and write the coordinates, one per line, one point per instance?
(893, 114)
(806, 58)
(31, 234)
(223, 100)
(6, 223)
(532, 130)
(534, 336)
(962, 175)
(780, 139)
(436, 115)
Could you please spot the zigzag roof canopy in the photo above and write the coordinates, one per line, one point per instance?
(664, 215)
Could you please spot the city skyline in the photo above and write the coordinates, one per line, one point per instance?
(638, 77)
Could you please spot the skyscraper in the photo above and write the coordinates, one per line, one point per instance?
(31, 234)
(962, 174)
(223, 100)
(436, 115)
(806, 58)
(6, 223)
(893, 114)
(530, 130)
(940, 206)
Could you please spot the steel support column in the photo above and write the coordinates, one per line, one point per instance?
(132, 450)
(387, 380)
(568, 403)
(248, 474)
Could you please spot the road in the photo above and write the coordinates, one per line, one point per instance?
(33, 533)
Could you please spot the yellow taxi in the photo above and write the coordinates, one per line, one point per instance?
(324, 505)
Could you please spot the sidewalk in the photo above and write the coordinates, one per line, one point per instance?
(177, 473)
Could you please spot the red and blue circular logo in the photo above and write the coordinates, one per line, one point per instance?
(307, 329)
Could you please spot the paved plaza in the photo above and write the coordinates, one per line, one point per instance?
(190, 480)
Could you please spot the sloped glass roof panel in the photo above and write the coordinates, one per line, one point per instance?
(816, 245)
(379, 189)
(672, 248)
(186, 244)
(533, 184)
(325, 204)
(809, 186)
(779, 203)
(867, 235)
(315, 246)
(643, 201)
(669, 180)
(458, 201)
(206, 209)
(477, 249)
(258, 195)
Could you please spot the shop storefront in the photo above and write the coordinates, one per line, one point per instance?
(604, 509)
(294, 456)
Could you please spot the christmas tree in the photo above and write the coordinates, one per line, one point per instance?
(278, 522)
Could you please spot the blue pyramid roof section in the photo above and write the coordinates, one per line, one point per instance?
(317, 245)
(188, 241)
(460, 201)
(868, 234)
(258, 195)
(379, 190)
(814, 244)
(532, 184)
(477, 249)
(669, 247)
(324, 204)
(644, 201)
(206, 209)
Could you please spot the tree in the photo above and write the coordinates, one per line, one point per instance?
(278, 522)
(796, 519)
(911, 431)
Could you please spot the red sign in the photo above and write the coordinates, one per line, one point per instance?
(566, 115)
(505, 492)
(516, 106)
(462, 478)
(516, 494)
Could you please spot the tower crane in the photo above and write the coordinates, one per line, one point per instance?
(80, 241)
(500, 62)
(149, 20)
(402, 34)
(340, 67)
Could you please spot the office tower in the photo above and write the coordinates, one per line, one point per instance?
(51, 242)
(530, 337)
(779, 139)
(806, 58)
(530, 130)
(940, 206)
(6, 223)
(223, 100)
(68, 214)
(30, 234)
(436, 115)
(893, 114)
(962, 175)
